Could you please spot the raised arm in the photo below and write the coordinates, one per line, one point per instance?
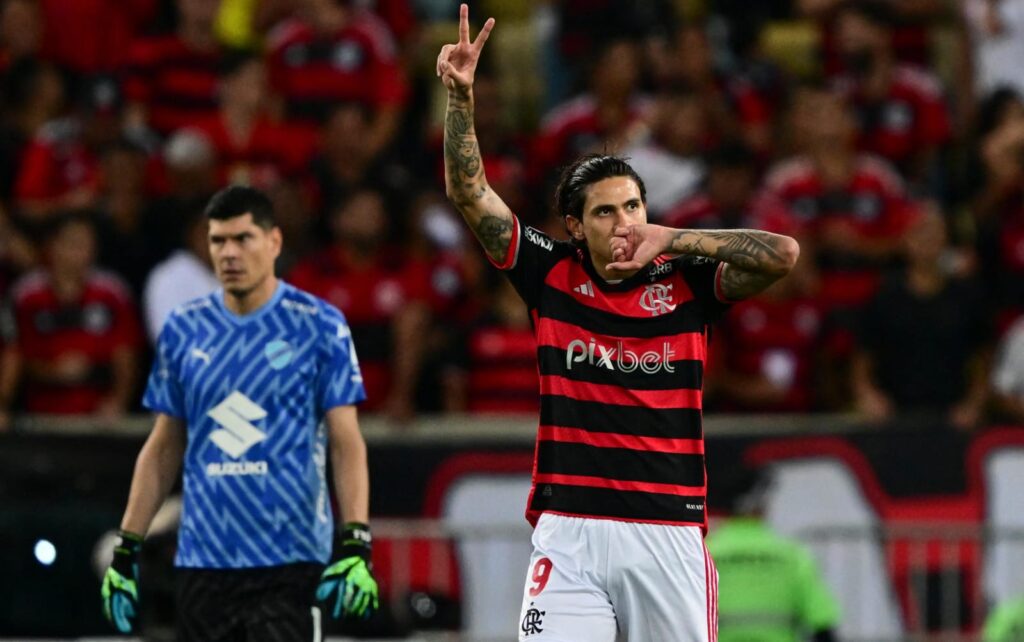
(465, 183)
(753, 259)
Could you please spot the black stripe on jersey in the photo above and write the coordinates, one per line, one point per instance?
(687, 317)
(564, 458)
(681, 423)
(688, 372)
(607, 502)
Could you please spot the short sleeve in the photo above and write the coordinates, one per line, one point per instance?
(339, 381)
(818, 608)
(164, 392)
(531, 255)
(704, 275)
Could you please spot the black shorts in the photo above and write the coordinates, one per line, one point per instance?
(272, 604)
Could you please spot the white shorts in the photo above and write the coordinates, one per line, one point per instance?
(598, 580)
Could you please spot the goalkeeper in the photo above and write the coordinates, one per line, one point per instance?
(253, 387)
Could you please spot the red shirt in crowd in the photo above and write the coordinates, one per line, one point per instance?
(370, 296)
(777, 340)
(356, 64)
(574, 128)
(178, 84)
(273, 151)
(760, 213)
(56, 163)
(501, 369)
(102, 321)
(872, 204)
(911, 117)
(92, 36)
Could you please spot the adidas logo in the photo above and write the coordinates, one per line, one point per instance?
(586, 289)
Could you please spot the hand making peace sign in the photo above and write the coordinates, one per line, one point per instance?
(456, 64)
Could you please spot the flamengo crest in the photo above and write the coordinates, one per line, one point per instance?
(657, 299)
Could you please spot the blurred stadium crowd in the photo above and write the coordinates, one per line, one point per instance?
(888, 136)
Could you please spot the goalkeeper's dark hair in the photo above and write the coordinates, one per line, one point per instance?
(571, 192)
(239, 200)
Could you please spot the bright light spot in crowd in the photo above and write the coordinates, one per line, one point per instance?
(45, 552)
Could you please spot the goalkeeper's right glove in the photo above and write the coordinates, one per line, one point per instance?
(121, 584)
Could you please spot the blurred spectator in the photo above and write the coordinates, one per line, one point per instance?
(190, 165)
(581, 27)
(769, 586)
(60, 168)
(604, 117)
(17, 252)
(122, 204)
(924, 336)
(901, 109)
(494, 369)
(1008, 375)
(998, 205)
(73, 331)
(1005, 623)
(21, 30)
(769, 350)
(850, 205)
(171, 80)
(183, 276)
(33, 94)
(94, 36)
(668, 154)
(251, 148)
(910, 35)
(733, 106)
(996, 28)
(332, 52)
(382, 299)
(728, 198)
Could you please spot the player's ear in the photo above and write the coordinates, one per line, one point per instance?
(277, 240)
(574, 227)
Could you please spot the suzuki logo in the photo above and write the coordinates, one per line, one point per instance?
(237, 435)
(657, 299)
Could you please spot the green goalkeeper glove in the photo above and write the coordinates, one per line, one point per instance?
(347, 587)
(121, 584)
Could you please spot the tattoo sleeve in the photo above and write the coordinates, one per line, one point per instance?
(754, 259)
(465, 182)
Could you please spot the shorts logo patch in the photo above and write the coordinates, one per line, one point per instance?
(532, 621)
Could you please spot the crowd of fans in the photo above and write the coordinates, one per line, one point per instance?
(887, 135)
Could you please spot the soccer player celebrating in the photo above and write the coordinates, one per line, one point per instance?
(253, 387)
(621, 317)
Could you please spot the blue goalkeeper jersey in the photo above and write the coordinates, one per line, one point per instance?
(253, 391)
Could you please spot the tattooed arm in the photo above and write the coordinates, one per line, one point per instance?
(753, 259)
(487, 215)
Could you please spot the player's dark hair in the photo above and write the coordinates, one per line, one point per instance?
(239, 200)
(571, 192)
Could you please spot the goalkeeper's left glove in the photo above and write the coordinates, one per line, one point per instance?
(347, 587)
(121, 584)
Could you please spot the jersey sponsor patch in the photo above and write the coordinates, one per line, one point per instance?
(538, 239)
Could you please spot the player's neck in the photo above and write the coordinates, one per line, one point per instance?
(252, 300)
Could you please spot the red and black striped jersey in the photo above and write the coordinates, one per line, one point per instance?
(621, 369)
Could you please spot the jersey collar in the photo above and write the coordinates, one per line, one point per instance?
(239, 319)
